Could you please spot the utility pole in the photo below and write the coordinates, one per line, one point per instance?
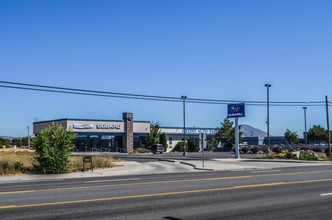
(328, 127)
(305, 126)
(268, 115)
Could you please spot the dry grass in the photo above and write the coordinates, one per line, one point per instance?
(22, 162)
(76, 163)
(12, 163)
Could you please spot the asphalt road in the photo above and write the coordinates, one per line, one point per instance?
(179, 156)
(290, 193)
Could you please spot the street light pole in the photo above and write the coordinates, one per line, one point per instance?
(268, 115)
(305, 126)
(28, 137)
(184, 124)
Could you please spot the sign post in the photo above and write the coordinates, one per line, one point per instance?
(202, 145)
(236, 111)
(87, 159)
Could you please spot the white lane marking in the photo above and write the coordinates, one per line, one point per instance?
(326, 194)
(31, 181)
(265, 171)
(118, 180)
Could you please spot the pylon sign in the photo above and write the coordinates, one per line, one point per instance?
(236, 110)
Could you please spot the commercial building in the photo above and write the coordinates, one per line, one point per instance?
(102, 135)
(118, 135)
(175, 135)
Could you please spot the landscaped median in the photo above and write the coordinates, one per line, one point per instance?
(24, 162)
(300, 153)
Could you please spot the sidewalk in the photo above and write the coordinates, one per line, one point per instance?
(249, 164)
(125, 168)
(168, 166)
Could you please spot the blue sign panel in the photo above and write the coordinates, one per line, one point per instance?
(236, 110)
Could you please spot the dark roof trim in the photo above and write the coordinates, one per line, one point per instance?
(188, 128)
(76, 119)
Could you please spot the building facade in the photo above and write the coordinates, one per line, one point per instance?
(102, 135)
(176, 134)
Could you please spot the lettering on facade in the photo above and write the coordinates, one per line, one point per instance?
(108, 126)
(199, 131)
(83, 126)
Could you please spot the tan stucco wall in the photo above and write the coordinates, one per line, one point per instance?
(38, 127)
(141, 127)
(96, 126)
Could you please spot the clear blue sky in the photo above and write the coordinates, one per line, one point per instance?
(214, 49)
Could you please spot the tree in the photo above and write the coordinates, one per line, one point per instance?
(211, 143)
(193, 144)
(153, 136)
(163, 140)
(24, 141)
(291, 137)
(17, 142)
(53, 147)
(226, 133)
(317, 134)
(6, 143)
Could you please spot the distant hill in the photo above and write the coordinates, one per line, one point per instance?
(249, 131)
(7, 137)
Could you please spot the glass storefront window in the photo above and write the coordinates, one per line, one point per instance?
(101, 143)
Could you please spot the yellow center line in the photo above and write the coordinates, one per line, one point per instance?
(126, 184)
(164, 194)
(17, 192)
(161, 182)
(8, 207)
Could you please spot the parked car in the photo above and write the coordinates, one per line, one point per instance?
(157, 148)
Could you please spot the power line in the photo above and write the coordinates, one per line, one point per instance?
(82, 93)
(85, 90)
(75, 91)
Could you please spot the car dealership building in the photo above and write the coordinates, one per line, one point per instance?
(117, 135)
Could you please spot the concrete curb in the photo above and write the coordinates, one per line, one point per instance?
(167, 160)
(284, 161)
(185, 163)
(194, 166)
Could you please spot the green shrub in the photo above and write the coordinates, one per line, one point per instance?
(179, 147)
(304, 155)
(281, 156)
(269, 155)
(53, 147)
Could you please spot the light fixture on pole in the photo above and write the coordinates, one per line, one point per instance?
(268, 115)
(305, 125)
(184, 124)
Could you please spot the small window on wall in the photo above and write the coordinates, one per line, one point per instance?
(170, 140)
